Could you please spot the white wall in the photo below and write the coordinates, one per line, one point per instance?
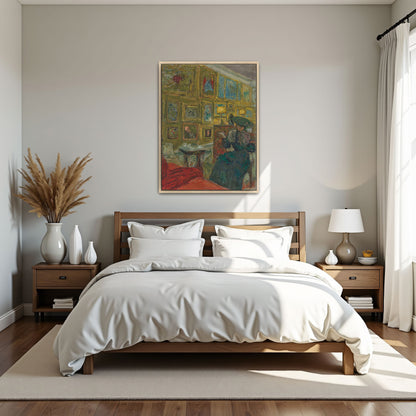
(90, 82)
(10, 154)
(400, 8)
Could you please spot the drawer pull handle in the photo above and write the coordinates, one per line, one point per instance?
(62, 277)
(353, 277)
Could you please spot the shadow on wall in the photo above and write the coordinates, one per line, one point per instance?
(320, 234)
(261, 201)
(15, 225)
(105, 227)
(363, 196)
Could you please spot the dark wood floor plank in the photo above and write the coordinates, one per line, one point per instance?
(374, 408)
(261, 407)
(175, 408)
(106, 408)
(151, 408)
(129, 408)
(59, 408)
(221, 408)
(85, 408)
(198, 408)
(310, 408)
(34, 408)
(326, 408)
(240, 408)
(14, 408)
(288, 408)
(335, 408)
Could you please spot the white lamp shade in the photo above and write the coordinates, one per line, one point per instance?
(346, 221)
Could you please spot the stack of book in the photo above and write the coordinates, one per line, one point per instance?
(63, 303)
(360, 302)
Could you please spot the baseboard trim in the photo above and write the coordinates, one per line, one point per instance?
(414, 323)
(27, 309)
(11, 316)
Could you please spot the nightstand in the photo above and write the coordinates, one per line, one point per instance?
(59, 280)
(359, 280)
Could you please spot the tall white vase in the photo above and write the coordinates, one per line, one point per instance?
(90, 256)
(53, 245)
(331, 259)
(75, 246)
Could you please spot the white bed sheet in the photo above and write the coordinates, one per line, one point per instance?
(209, 299)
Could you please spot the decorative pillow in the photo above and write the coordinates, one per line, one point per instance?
(254, 249)
(186, 231)
(143, 248)
(284, 233)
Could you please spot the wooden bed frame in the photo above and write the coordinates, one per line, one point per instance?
(251, 221)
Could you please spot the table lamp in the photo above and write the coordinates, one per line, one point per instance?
(346, 221)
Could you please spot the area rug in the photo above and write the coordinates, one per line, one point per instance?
(210, 376)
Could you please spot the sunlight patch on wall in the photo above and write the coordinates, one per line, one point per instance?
(343, 181)
(261, 201)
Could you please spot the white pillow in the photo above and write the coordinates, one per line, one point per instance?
(186, 231)
(254, 249)
(143, 248)
(284, 233)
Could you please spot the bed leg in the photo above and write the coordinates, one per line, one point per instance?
(347, 361)
(88, 367)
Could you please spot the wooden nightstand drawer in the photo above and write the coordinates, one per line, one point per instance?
(59, 281)
(63, 278)
(356, 279)
(359, 281)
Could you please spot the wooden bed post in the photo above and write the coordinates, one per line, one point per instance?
(88, 367)
(347, 361)
(301, 236)
(117, 235)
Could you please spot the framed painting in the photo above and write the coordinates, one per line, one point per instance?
(190, 112)
(190, 132)
(208, 127)
(172, 132)
(172, 111)
(208, 133)
(207, 112)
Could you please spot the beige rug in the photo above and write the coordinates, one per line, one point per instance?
(269, 376)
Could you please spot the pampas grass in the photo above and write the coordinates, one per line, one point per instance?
(54, 196)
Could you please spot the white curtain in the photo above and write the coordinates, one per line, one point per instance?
(396, 188)
(384, 112)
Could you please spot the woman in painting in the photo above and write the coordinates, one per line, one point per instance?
(230, 167)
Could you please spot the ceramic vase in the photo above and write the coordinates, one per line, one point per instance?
(75, 246)
(90, 256)
(53, 246)
(331, 258)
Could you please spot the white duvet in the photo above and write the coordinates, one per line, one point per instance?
(209, 299)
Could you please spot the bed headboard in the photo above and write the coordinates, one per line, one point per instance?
(246, 220)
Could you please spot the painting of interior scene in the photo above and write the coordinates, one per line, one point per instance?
(208, 127)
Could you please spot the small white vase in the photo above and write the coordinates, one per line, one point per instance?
(75, 246)
(331, 259)
(53, 245)
(90, 256)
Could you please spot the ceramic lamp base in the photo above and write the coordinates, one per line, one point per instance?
(346, 251)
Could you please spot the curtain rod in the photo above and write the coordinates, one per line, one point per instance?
(407, 17)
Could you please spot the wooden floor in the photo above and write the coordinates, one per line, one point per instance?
(19, 338)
